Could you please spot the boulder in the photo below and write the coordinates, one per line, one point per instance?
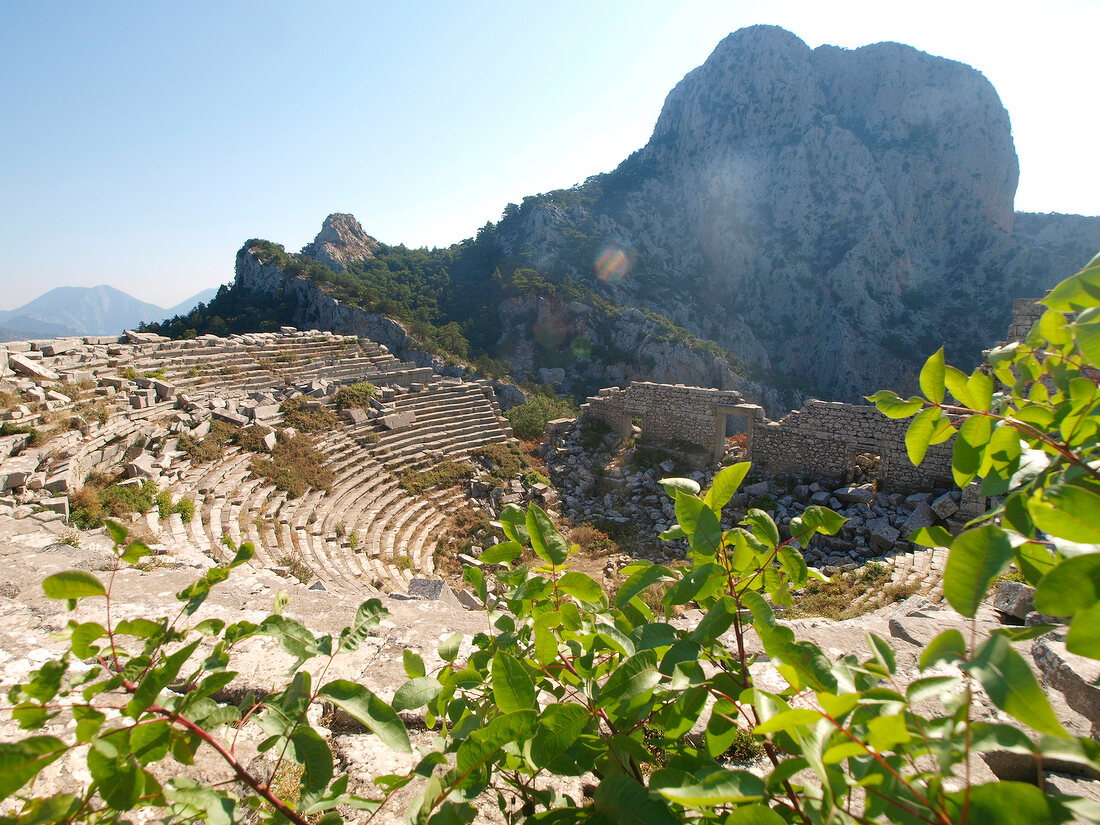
(945, 506)
(922, 516)
(1075, 676)
(854, 495)
(883, 536)
(1014, 599)
(23, 365)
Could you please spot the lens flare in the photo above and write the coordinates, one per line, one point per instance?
(550, 332)
(580, 347)
(615, 262)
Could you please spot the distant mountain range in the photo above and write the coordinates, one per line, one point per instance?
(75, 310)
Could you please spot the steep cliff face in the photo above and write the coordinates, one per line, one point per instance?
(830, 215)
(341, 242)
(313, 307)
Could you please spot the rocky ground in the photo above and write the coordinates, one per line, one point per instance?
(29, 623)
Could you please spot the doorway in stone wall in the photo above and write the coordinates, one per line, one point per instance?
(865, 466)
(732, 437)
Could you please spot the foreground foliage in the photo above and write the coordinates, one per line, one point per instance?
(567, 683)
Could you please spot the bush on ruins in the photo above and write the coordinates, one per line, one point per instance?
(565, 683)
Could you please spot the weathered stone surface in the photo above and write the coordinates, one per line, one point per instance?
(945, 506)
(922, 516)
(355, 416)
(884, 537)
(1014, 599)
(854, 495)
(398, 420)
(23, 365)
(1075, 676)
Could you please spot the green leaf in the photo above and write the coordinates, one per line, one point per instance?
(1069, 512)
(1012, 686)
(977, 557)
(124, 785)
(449, 647)
(367, 617)
(934, 536)
(1034, 561)
(956, 381)
(686, 486)
(1078, 292)
(725, 484)
(514, 523)
(369, 710)
(754, 815)
(502, 553)
(546, 642)
(581, 587)
(414, 665)
(21, 761)
(634, 677)
(639, 580)
(1084, 633)
(624, 802)
(787, 720)
(883, 653)
(72, 584)
(884, 733)
(117, 531)
(717, 788)
(919, 434)
(762, 526)
(1071, 586)
(513, 687)
(807, 660)
(893, 406)
(483, 743)
(970, 446)
(980, 389)
(312, 752)
(135, 550)
(548, 544)
(416, 693)
(947, 646)
(1003, 803)
(931, 379)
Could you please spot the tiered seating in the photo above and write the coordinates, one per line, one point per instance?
(452, 418)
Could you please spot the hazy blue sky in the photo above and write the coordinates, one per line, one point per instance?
(142, 143)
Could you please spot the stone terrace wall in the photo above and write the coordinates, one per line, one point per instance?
(672, 412)
(823, 437)
(1026, 312)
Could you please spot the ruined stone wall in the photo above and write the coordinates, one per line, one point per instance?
(1026, 312)
(670, 412)
(823, 437)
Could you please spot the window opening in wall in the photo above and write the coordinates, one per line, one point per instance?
(636, 427)
(866, 467)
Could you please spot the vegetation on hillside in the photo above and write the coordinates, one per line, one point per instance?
(448, 298)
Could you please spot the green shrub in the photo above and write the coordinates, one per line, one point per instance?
(164, 504)
(443, 474)
(563, 682)
(355, 395)
(505, 460)
(186, 508)
(529, 420)
(294, 466)
(306, 420)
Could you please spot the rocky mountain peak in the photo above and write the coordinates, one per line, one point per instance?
(340, 242)
(829, 215)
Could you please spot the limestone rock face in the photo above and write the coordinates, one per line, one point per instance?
(829, 215)
(340, 242)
